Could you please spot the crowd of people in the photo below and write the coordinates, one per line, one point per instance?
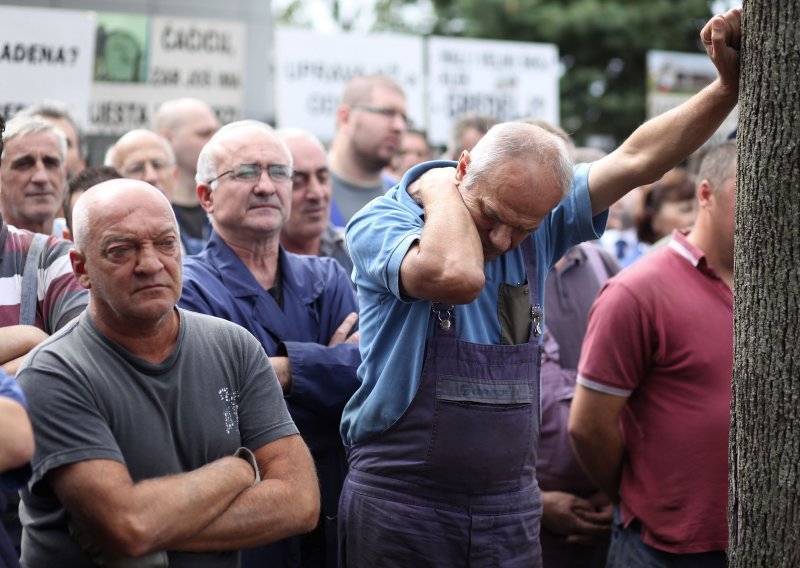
(230, 345)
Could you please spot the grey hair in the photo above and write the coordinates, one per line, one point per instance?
(718, 164)
(206, 164)
(52, 108)
(110, 158)
(527, 143)
(298, 133)
(23, 125)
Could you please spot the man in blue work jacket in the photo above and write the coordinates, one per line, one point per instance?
(301, 308)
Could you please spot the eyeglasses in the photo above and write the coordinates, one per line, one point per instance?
(388, 112)
(279, 173)
(138, 168)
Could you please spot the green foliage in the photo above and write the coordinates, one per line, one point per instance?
(602, 43)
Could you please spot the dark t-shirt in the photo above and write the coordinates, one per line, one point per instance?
(92, 399)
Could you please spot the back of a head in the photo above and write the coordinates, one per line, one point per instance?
(85, 179)
(524, 143)
(51, 108)
(677, 185)
(480, 123)
(719, 164)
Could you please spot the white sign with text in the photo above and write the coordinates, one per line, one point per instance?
(504, 79)
(46, 54)
(312, 69)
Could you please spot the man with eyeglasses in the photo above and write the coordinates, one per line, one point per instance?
(309, 230)
(370, 122)
(146, 156)
(301, 308)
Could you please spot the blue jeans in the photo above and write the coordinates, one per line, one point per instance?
(628, 551)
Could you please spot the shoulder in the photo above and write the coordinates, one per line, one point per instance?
(214, 333)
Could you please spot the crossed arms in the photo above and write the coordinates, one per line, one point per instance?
(211, 508)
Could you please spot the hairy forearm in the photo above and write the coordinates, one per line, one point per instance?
(133, 519)
(448, 259)
(284, 504)
(659, 145)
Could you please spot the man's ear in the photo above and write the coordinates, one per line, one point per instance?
(78, 261)
(461, 168)
(206, 196)
(343, 114)
(705, 192)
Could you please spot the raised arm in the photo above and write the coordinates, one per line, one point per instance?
(133, 519)
(667, 139)
(596, 437)
(446, 263)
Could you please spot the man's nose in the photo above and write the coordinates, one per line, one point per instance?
(150, 174)
(500, 237)
(148, 261)
(40, 173)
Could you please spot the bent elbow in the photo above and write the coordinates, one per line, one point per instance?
(127, 536)
(308, 512)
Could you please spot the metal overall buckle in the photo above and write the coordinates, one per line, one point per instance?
(443, 313)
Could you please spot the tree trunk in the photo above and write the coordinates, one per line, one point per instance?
(764, 495)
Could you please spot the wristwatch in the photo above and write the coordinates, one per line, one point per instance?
(250, 458)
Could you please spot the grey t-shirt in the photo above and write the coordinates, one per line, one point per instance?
(91, 399)
(349, 198)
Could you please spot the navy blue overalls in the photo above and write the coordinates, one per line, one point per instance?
(452, 482)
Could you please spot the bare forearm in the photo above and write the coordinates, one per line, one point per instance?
(16, 435)
(447, 263)
(600, 452)
(15, 342)
(284, 504)
(137, 518)
(283, 370)
(659, 145)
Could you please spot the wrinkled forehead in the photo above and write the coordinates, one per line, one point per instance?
(251, 145)
(43, 142)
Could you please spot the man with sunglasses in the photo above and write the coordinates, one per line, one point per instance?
(370, 122)
(309, 230)
(301, 308)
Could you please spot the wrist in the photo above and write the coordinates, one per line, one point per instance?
(250, 458)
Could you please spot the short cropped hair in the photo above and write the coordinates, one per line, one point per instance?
(206, 165)
(24, 125)
(358, 90)
(82, 181)
(718, 164)
(525, 143)
(480, 122)
(52, 108)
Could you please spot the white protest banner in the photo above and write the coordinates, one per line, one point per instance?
(312, 69)
(503, 79)
(673, 77)
(184, 57)
(46, 54)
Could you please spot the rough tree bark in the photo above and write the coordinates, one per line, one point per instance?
(764, 504)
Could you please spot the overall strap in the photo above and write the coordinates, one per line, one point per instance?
(28, 293)
(537, 313)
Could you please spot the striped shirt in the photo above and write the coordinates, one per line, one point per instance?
(59, 296)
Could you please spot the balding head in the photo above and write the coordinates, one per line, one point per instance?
(188, 124)
(144, 155)
(127, 253)
(105, 199)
